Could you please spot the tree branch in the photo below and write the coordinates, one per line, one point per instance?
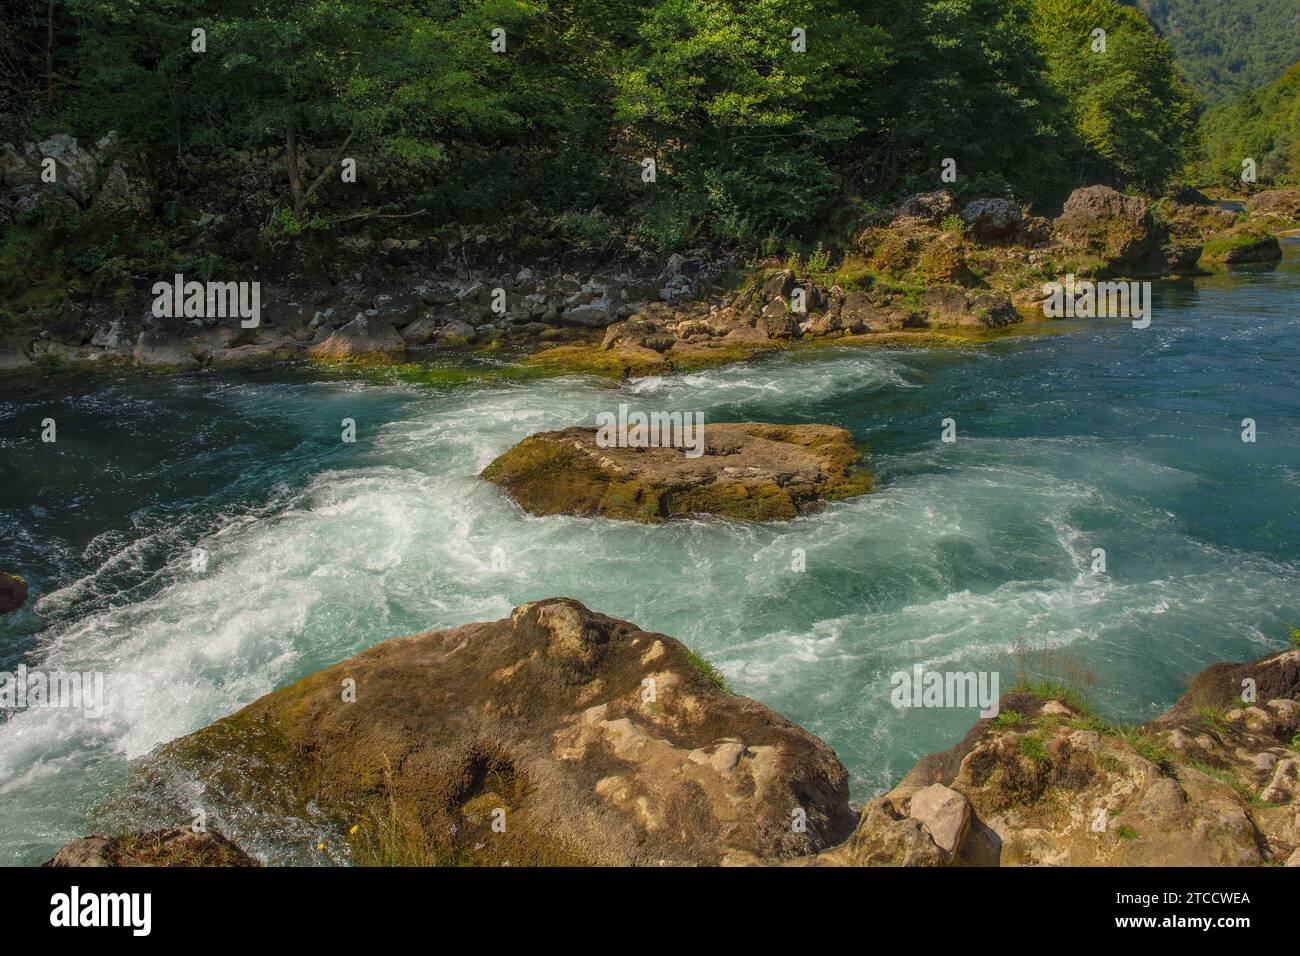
(328, 169)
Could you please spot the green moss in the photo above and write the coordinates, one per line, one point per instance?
(1127, 832)
(1009, 718)
(1251, 243)
(1033, 747)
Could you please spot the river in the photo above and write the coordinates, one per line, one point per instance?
(1108, 437)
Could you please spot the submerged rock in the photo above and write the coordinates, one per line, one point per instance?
(744, 471)
(555, 735)
(13, 592)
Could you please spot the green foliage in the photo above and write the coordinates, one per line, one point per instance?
(1295, 636)
(1009, 718)
(758, 146)
(819, 260)
(1127, 832)
(1263, 125)
(742, 127)
(1128, 106)
(1213, 717)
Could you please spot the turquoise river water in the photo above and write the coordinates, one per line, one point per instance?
(1108, 437)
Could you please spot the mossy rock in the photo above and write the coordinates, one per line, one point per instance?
(530, 740)
(745, 472)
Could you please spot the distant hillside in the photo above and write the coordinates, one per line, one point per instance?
(1228, 46)
(1263, 124)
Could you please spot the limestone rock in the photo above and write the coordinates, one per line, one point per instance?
(746, 471)
(1110, 224)
(992, 220)
(540, 722)
(364, 338)
(945, 814)
(1275, 203)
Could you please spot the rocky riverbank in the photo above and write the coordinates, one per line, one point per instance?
(560, 735)
(931, 270)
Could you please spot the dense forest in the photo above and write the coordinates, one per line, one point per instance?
(764, 120)
(1228, 46)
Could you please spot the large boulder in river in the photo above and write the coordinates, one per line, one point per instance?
(1113, 226)
(1249, 242)
(1275, 204)
(555, 735)
(365, 338)
(746, 471)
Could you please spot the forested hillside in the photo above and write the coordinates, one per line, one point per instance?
(1263, 125)
(766, 122)
(1229, 46)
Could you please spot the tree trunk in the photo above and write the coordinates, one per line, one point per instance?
(295, 176)
(49, 52)
(296, 190)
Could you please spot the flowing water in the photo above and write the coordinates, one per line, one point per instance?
(1109, 437)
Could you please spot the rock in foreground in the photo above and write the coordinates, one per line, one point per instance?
(748, 471)
(553, 736)
(175, 847)
(1214, 782)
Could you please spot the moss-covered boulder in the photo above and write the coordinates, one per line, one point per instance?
(553, 736)
(1242, 244)
(364, 339)
(746, 471)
